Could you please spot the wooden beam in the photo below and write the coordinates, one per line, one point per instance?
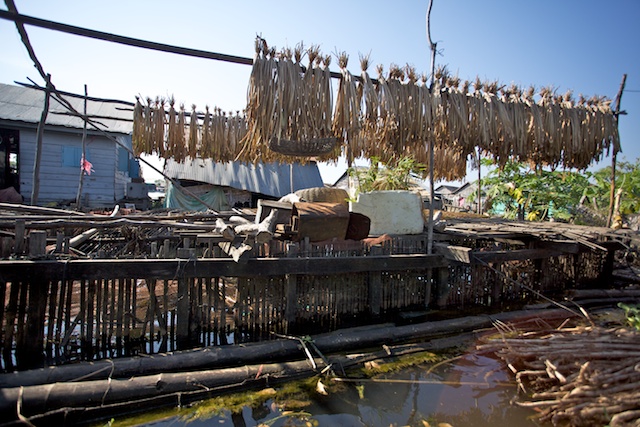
(515, 255)
(566, 246)
(171, 268)
(454, 253)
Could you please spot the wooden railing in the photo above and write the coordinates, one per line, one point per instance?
(56, 311)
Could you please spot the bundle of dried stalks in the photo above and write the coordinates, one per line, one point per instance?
(172, 134)
(290, 112)
(346, 118)
(578, 376)
(289, 106)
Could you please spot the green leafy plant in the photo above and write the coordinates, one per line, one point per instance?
(632, 314)
(394, 175)
(538, 193)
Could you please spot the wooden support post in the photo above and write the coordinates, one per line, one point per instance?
(195, 314)
(292, 298)
(479, 207)
(182, 315)
(429, 286)
(537, 274)
(9, 326)
(29, 352)
(19, 232)
(575, 260)
(442, 284)
(7, 247)
(166, 249)
(84, 153)
(496, 284)
(375, 292)
(35, 189)
(37, 243)
(3, 296)
(59, 241)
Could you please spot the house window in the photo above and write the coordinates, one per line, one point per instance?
(71, 156)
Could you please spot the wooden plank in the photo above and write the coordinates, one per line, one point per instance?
(454, 253)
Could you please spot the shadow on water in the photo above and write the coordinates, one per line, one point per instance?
(470, 390)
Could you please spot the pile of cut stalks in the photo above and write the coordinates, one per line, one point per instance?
(576, 376)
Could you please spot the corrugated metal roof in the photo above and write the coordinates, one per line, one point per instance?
(272, 179)
(24, 104)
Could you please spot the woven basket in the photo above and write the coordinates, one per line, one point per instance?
(309, 148)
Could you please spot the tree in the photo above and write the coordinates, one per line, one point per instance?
(627, 183)
(534, 193)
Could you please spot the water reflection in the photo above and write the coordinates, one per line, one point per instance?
(472, 390)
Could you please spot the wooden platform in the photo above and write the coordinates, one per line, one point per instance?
(151, 284)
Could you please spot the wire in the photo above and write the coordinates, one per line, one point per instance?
(13, 15)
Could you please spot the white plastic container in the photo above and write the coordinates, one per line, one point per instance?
(391, 211)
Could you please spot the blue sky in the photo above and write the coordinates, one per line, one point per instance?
(580, 45)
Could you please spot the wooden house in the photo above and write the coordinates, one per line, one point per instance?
(112, 166)
(463, 197)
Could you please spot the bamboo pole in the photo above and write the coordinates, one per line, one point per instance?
(433, 47)
(614, 156)
(479, 184)
(35, 189)
(84, 153)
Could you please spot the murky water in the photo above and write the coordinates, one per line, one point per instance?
(472, 390)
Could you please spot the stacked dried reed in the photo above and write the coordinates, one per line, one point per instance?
(579, 376)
